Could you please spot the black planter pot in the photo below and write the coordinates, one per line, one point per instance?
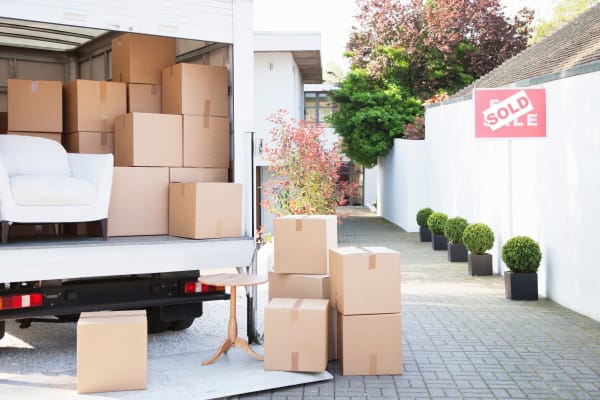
(439, 242)
(480, 264)
(424, 234)
(521, 286)
(457, 252)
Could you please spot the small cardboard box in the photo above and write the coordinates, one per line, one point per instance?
(112, 351)
(90, 142)
(34, 106)
(365, 280)
(203, 210)
(295, 335)
(140, 58)
(148, 140)
(143, 97)
(302, 243)
(195, 89)
(205, 141)
(139, 202)
(47, 135)
(92, 106)
(370, 344)
(198, 174)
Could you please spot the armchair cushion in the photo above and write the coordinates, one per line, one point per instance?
(49, 190)
(30, 155)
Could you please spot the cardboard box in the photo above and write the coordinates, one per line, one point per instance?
(92, 106)
(48, 135)
(148, 140)
(203, 210)
(302, 243)
(295, 335)
(139, 202)
(205, 141)
(112, 351)
(140, 58)
(198, 174)
(34, 106)
(370, 344)
(365, 280)
(143, 97)
(90, 142)
(3, 122)
(195, 89)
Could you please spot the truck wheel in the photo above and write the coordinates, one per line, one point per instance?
(155, 325)
(181, 324)
(2, 328)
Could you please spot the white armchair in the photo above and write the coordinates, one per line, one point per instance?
(41, 183)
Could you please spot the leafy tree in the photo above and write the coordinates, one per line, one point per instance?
(563, 12)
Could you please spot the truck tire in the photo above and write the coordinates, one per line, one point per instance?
(2, 328)
(181, 324)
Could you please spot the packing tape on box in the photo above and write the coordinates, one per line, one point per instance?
(207, 104)
(372, 364)
(104, 125)
(295, 310)
(206, 121)
(372, 258)
(34, 86)
(102, 91)
(298, 225)
(103, 139)
(295, 362)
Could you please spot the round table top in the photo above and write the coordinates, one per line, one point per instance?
(233, 279)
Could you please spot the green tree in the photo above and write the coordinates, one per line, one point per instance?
(563, 12)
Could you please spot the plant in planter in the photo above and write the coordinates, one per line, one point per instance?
(424, 232)
(453, 230)
(436, 223)
(479, 238)
(522, 255)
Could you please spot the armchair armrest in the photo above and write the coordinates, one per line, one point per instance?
(95, 168)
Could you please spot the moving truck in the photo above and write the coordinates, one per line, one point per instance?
(54, 278)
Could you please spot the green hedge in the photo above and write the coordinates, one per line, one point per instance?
(478, 238)
(522, 254)
(436, 222)
(454, 229)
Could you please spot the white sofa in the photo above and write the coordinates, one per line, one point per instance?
(41, 183)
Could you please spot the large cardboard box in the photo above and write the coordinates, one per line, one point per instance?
(34, 106)
(140, 58)
(198, 174)
(205, 141)
(139, 202)
(148, 140)
(3, 122)
(302, 243)
(46, 135)
(203, 210)
(370, 344)
(92, 106)
(195, 89)
(90, 142)
(295, 335)
(365, 280)
(143, 97)
(112, 351)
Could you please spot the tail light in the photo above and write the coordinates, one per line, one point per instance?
(20, 301)
(197, 287)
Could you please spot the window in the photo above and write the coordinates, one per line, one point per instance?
(317, 105)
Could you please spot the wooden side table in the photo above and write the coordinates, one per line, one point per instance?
(232, 280)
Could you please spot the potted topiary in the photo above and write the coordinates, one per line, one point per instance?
(479, 238)
(424, 232)
(436, 223)
(522, 255)
(454, 231)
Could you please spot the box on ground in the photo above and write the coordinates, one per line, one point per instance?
(112, 351)
(148, 140)
(34, 106)
(89, 142)
(198, 174)
(47, 135)
(139, 201)
(144, 97)
(92, 106)
(370, 344)
(365, 280)
(302, 243)
(205, 141)
(295, 336)
(140, 58)
(3, 122)
(203, 210)
(195, 89)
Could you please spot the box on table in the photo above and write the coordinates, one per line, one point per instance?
(140, 58)
(34, 106)
(205, 141)
(203, 210)
(295, 335)
(148, 140)
(47, 135)
(139, 201)
(195, 89)
(370, 344)
(302, 243)
(112, 351)
(198, 174)
(365, 280)
(92, 106)
(144, 97)
(3, 122)
(90, 142)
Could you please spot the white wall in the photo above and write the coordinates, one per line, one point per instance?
(370, 185)
(546, 188)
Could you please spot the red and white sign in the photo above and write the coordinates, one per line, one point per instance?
(502, 113)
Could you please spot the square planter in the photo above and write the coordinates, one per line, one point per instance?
(457, 252)
(480, 264)
(521, 286)
(439, 242)
(424, 234)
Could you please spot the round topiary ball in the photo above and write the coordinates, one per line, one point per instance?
(454, 229)
(436, 222)
(478, 238)
(422, 216)
(522, 254)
